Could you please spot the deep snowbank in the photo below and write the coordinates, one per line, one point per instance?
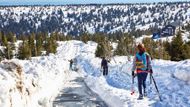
(179, 70)
(182, 71)
(40, 81)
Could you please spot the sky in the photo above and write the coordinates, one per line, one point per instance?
(29, 2)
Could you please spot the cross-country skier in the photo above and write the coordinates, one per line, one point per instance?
(142, 65)
(71, 64)
(104, 65)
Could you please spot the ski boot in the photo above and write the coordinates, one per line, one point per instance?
(145, 93)
(140, 97)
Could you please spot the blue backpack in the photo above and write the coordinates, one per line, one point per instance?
(142, 61)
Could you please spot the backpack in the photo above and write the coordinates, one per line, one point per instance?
(142, 61)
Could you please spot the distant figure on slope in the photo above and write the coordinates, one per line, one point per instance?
(104, 65)
(142, 65)
(71, 64)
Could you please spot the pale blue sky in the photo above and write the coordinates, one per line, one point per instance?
(16, 2)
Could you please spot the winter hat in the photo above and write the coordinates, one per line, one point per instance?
(141, 47)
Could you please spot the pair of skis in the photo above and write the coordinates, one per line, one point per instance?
(151, 79)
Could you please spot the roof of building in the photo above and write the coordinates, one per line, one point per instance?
(175, 24)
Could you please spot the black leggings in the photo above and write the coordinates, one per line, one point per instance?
(141, 81)
(105, 70)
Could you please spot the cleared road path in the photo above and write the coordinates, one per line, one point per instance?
(77, 94)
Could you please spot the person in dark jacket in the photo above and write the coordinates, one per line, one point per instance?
(142, 65)
(104, 65)
(71, 64)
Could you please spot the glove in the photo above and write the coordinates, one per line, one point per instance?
(133, 73)
(151, 71)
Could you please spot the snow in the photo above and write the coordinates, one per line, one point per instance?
(41, 78)
(182, 71)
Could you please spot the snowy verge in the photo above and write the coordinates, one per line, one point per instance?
(31, 83)
(98, 85)
(182, 71)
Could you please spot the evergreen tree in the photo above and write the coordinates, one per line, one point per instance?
(8, 51)
(32, 45)
(1, 55)
(1, 34)
(166, 49)
(98, 37)
(39, 44)
(149, 44)
(108, 48)
(100, 51)
(161, 50)
(24, 51)
(54, 50)
(119, 50)
(50, 44)
(62, 37)
(125, 45)
(57, 36)
(46, 42)
(85, 37)
(167, 46)
(176, 49)
(186, 51)
(54, 43)
(104, 48)
(156, 49)
(4, 40)
(27, 51)
(11, 37)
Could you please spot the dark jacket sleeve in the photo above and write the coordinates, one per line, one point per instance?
(102, 63)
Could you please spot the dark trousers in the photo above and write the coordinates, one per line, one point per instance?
(105, 70)
(141, 81)
(70, 67)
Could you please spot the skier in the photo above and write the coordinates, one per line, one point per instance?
(71, 64)
(142, 65)
(74, 65)
(104, 65)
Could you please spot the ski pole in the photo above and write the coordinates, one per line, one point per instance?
(132, 87)
(150, 79)
(156, 87)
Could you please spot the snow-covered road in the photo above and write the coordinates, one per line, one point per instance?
(77, 94)
(42, 78)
